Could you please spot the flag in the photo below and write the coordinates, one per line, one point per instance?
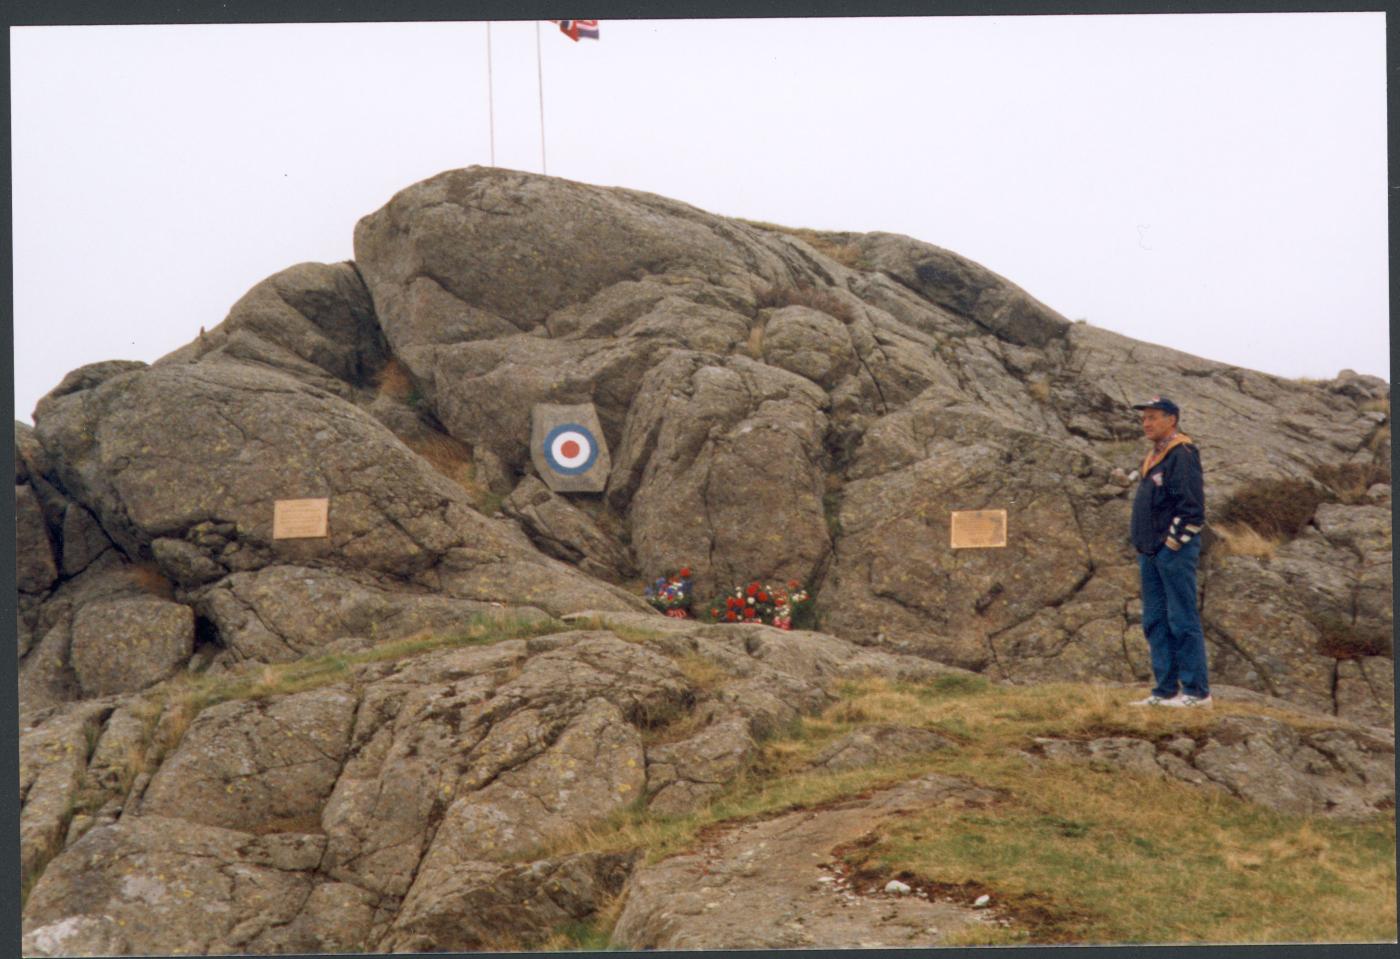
(573, 29)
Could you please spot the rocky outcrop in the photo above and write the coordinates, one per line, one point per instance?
(500, 904)
(123, 645)
(773, 412)
(313, 322)
(178, 466)
(1315, 612)
(1342, 771)
(35, 569)
(410, 794)
(750, 385)
(565, 531)
(430, 802)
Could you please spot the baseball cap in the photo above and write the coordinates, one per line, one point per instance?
(1159, 403)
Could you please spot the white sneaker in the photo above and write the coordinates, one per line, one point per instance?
(1197, 701)
(1157, 701)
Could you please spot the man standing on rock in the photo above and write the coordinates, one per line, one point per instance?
(1168, 513)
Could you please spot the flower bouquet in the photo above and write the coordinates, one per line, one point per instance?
(672, 593)
(762, 603)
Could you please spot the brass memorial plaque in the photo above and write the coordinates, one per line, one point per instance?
(979, 528)
(300, 518)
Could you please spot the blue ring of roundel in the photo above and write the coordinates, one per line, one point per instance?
(558, 467)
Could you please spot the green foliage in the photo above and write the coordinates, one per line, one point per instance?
(189, 695)
(959, 684)
(588, 935)
(831, 508)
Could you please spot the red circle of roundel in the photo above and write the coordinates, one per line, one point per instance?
(570, 449)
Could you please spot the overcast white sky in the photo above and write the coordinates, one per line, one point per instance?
(1214, 183)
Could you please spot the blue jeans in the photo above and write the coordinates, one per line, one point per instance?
(1171, 622)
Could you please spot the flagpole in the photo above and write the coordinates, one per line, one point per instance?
(490, 94)
(539, 68)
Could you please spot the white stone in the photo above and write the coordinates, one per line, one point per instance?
(897, 887)
(982, 901)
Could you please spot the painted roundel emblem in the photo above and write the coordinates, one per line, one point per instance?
(570, 449)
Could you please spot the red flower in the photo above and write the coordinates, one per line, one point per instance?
(753, 588)
(730, 616)
(685, 571)
(763, 597)
(714, 613)
(731, 602)
(748, 614)
(793, 584)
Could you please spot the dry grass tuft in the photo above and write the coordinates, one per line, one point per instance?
(1345, 639)
(148, 578)
(1380, 438)
(812, 297)
(1242, 540)
(1348, 482)
(1274, 508)
(754, 346)
(833, 245)
(394, 381)
(704, 674)
(453, 459)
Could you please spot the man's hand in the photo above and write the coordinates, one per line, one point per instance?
(1172, 544)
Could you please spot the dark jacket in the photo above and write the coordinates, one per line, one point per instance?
(1171, 502)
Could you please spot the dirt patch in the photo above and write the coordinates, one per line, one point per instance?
(1043, 920)
(776, 882)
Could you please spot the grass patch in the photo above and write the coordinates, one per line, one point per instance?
(1273, 508)
(450, 457)
(1242, 540)
(623, 631)
(1115, 857)
(1127, 860)
(593, 934)
(1348, 482)
(833, 245)
(812, 297)
(753, 794)
(1070, 852)
(180, 700)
